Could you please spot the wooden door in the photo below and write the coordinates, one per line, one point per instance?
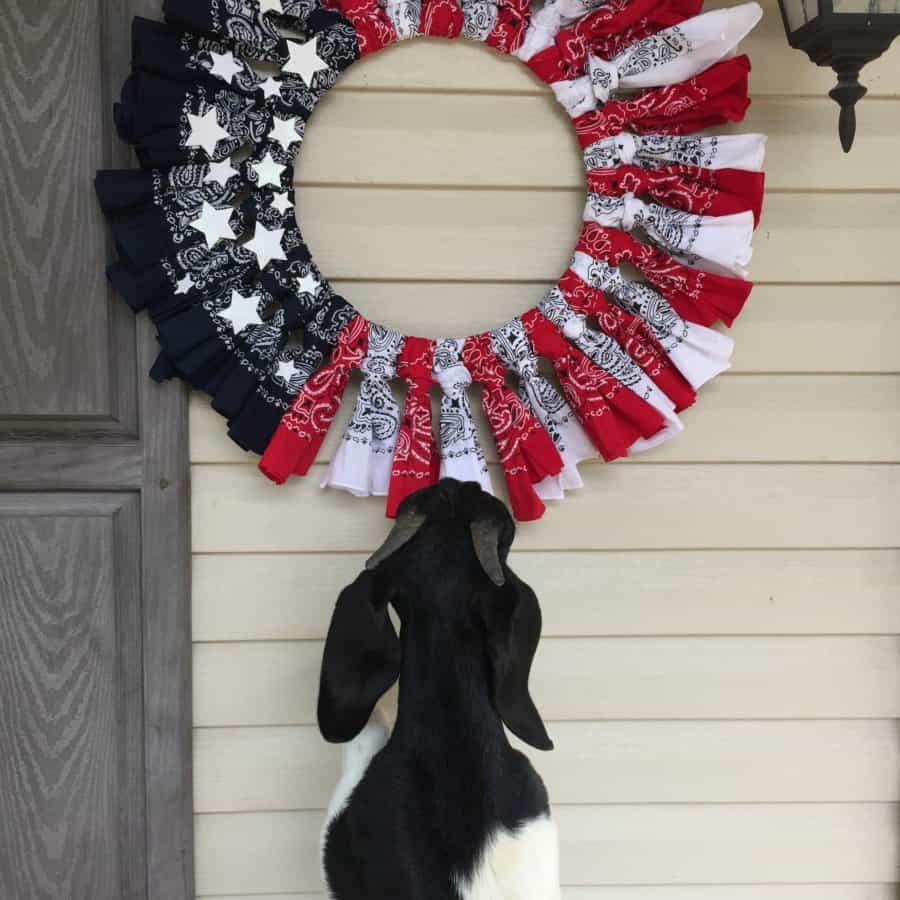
(95, 771)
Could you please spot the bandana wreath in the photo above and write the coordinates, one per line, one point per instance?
(209, 244)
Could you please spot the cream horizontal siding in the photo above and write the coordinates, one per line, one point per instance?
(674, 892)
(612, 844)
(670, 892)
(721, 662)
(709, 761)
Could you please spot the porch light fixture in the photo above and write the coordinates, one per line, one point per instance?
(843, 34)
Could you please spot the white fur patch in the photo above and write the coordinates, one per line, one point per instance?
(516, 865)
(357, 753)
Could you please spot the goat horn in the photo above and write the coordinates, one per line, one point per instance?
(404, 530)
(485, 538)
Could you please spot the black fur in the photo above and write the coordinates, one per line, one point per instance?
(448, 777)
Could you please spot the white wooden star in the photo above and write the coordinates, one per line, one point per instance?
(285, 370)
(271, 6)
(270, 87)
(241, 311)
(308, 284)
(224, 65)
(219, 172)
(304, 60)
(284, 131)
(214, 223)
(281, 202)
(268, 171)
(183, 285)
(266, 245)
(206, 132)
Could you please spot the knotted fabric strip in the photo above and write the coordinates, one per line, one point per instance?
(548, 20)
(362, 463)
(706, 192)
(720, 244)
(373, 25)
(441, 18)
(511, 344)
(607, 355)
(699, 353)
(606, 31)
(666, 58)
(510, 25)
(416, 462)
(526, 451)
(648, 151)
(713, 97)
(700, 297)
(405, 16)
(303, 427)
(479, 18)
(461, 455)
(632, 333)
(615, 418)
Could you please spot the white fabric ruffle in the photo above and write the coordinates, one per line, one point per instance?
(479, 18)
(720, 244)
(461, 454)
(362, 463)
(547, 22)
(647, 151)
(405, 16)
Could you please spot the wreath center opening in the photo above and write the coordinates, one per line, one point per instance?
(440, 210)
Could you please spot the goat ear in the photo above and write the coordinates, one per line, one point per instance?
(514, 629)
(361, 660)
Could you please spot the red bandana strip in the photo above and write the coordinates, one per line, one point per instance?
(416, 460)
(293, 447)
(697, 296)
(614, 417)
(510, 25)
(606, 32)
(714, 97)
(526, 451)
(441, 18)
(633, 334)
(706, 192)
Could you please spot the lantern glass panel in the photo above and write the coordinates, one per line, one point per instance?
(799, 12)
(872, 7)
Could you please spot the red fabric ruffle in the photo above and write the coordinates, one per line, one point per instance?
(633, 334)
(510, 26)
(613, 416)
(697, 296)
(715, 96)
(296, 441)
(527, 453)
(707, 192)
(606, 32)
(416, 461)
(441, 18)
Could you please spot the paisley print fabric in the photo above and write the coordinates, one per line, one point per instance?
(362, 463)
(416, 462)
(461, 454)
(666, 57)
(511, 344)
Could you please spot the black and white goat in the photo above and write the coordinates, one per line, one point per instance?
(442, 808)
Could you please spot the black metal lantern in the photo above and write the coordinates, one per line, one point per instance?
(843, 34)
